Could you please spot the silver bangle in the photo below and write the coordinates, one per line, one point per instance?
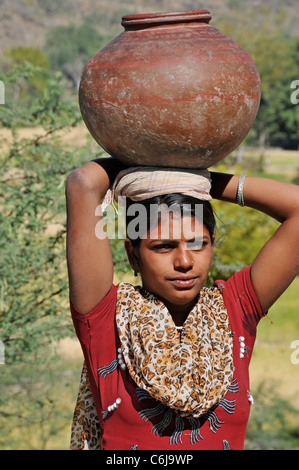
(240, 196)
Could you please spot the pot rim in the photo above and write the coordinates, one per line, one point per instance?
(166, 17)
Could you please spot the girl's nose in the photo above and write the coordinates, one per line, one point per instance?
(183, 259)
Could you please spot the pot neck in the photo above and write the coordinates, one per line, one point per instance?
(149, 20)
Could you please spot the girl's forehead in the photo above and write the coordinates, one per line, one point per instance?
(176, 227)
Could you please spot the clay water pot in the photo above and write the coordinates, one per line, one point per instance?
(170, 90)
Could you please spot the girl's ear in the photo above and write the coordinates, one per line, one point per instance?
(133, 256)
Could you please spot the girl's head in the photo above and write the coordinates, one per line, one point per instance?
(142, 216)
(170, 243)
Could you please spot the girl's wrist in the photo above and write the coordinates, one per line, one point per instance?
(224, 186)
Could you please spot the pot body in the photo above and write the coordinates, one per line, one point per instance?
(170, 91)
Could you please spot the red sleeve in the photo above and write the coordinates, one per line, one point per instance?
(95, 319)
(89, 328)
(241, 299)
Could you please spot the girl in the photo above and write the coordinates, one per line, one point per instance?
(167, 362)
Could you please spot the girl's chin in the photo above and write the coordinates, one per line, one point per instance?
(182, 297)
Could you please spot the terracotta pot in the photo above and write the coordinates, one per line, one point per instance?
(170, 90)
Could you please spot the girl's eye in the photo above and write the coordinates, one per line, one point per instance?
(164, 246)
(196, 245)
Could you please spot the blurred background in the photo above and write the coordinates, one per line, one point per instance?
(44, 46)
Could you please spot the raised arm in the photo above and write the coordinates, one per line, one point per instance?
(277, 264)
(89, 258)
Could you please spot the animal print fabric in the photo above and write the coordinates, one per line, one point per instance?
(86, 430)
(188, 372)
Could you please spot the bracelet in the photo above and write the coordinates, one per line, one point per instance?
(240, 196)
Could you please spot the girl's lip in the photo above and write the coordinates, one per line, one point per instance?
(184, 283)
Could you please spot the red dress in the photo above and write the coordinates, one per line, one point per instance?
(137, 421)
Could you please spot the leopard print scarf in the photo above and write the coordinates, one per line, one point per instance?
(189, 372)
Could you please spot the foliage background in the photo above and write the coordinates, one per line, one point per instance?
(43, 139)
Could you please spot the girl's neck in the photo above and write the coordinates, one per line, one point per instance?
(180, 313)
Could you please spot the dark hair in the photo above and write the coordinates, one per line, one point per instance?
(182, 203)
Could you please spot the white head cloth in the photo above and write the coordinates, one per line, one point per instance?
(139, 183)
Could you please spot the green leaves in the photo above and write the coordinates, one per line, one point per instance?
(70, 47)
(240, 234)
(33, 276)
(264, 33)
(27, 106)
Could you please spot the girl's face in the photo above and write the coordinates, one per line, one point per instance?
(175, 267)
